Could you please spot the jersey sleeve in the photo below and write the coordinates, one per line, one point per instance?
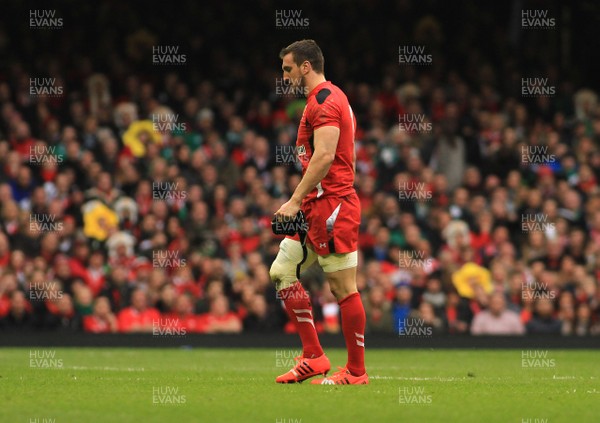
(326, 110)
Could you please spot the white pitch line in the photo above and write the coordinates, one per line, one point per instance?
(106, 368)
(439, 379)
(453, 379)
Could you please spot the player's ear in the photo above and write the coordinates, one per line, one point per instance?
(305, 67)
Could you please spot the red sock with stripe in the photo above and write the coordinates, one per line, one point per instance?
(353, 327)
(299, 310)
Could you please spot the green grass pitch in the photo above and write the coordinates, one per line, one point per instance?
(237, 385)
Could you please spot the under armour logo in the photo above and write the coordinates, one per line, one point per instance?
(322, 244)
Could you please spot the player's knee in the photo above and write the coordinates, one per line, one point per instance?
(275, 272)
(332, 290)
(337, 288)
(282, 274)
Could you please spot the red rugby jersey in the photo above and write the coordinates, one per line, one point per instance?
(327, 105)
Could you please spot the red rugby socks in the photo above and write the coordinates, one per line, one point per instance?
(353, 327)
(299, 310)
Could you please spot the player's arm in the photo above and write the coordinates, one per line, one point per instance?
(326, 141)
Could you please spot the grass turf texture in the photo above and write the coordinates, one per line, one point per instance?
(237, 385)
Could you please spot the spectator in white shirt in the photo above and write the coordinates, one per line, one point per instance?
(497, 320)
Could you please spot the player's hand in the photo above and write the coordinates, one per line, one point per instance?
(288, 210)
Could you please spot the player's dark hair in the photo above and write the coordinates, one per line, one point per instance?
(305, 50)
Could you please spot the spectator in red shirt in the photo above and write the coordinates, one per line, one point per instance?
(4, 250)
(184, 282)
(183, 315)
(96, 272)
(220, 319)
(21, 139)
(139, 317)
(8, 285)
(102, 320)
(20, 316)
(250, 239)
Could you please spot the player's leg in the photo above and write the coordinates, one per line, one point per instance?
(285, 271)
(290, 262)
(336, 236)
(340, 272)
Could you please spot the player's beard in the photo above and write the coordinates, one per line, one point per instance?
(303, 85)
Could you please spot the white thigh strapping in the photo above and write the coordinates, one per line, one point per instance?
(283, 269)
(334, 262)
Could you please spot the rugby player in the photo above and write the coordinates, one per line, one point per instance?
(326, 196)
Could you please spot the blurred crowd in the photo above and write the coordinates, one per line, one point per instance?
(137, 201)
